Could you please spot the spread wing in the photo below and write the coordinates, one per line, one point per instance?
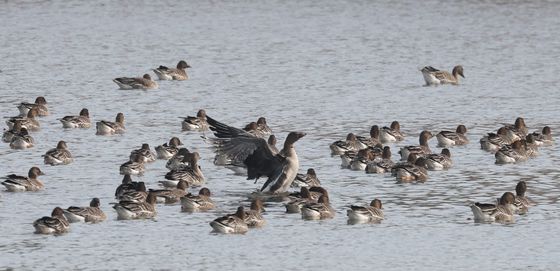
(222, 130)
(244, 149)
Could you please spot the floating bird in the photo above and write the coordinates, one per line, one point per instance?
(22, 140)
(110, 128)
(308, 179)
(233, 223)
(40, 104)
(54, 224)
(419, 150)
(501, 212)
(361, 214)
(166, 150)
(145, 82)
(15, 183)
(391, 134)
(80, 121)
(434, 77)
(144, 153)
(448, 138)
(136, 210)
(197, 203)
(197, 123)
(91, 214)
(180, 73)
(281, 168)
(59, 155)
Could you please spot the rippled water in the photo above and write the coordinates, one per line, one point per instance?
(322, 67)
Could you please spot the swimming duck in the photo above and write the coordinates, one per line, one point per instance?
(128, 185)
(110, 128)
(281, 169)
(373, 139)
(91, 214)
(350, 144)
(434, 77)
(197, 123)
(513, 153)
(253, 217)
(171, 196)
(320, 210)
(272, 144)
(55, 224)
(179, 73)
(391, 134)
(371, 213)
(133, 167)
(516, 131)
(191, 174)
(545, 137)
(197, 203)
(263, 127)
(132, 191)
(81, 121)
(531, 146)
(22, 140)
(136, 210)
(180, 160)
(297, 201)
(382, 166)
(40, 104)
(59, 155)
(439, 161)
(366, 156)
(521, 201)
(233, 223)
(145, 82)
(448, 138)
(10, 133)
(410, 173)
(15, 183)
(253, 128)
(420, 150)
(306, 180)
(494, 141)
(166, 150)
(145, 153)
(30, 122)
(502, 212)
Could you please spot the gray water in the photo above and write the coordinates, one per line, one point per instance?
(322, 67)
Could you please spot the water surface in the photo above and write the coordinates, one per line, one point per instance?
(322, 67)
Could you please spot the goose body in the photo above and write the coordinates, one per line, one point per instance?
(91, 214)
(502, 212)
(179, 73)
(233, 223)
(127, 210)
(59, 155)
(361, 214)
(40, 105)
(449, 138)
(111, 128)
(80, 121)
(391, 134)
(197, 203)
(54, 224)
(145, 82)
(168, 150)
(15, 183)
(22, 140)
(434, 77)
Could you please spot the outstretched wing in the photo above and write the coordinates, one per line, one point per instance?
(253, 152)
(225, 131)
